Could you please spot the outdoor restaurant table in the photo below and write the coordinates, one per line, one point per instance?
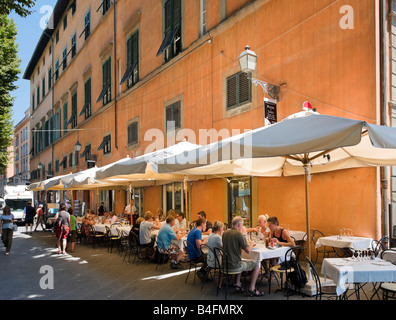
(351, 270)
(260, 252)
(102, 228)
(345, 242)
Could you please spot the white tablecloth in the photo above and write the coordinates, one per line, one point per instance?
(113, 229)
(298, 235)
(260, 252)
(349, 270)
(345, 242)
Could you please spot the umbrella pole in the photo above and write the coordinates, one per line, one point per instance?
(185, 195)
(130, 203)
(307, 210)
(97, 201)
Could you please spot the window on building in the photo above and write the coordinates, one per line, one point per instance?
(240, 199)
(133, 133)
(131, 75)
(57, 37)
(86, 153)
(70, 160)
(46, 134)
(173, 116)
(73, 7)
(65, 22)
(73, 45)
(73, 116)
(174, 197)
(105, 5)
(33, 101)
(64, 60)
(106, 144)
(49, 79)
(87, 109)
(105, 94)
(56, 125)
(65, 119)
(171, 44)
(43, 88)
(56, 69)
(38, 95)
(239, 90)
(63, 163)
(87, 25)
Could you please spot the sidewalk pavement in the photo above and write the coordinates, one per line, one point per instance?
(96, 274)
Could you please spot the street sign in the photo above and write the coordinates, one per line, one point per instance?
(270, 111)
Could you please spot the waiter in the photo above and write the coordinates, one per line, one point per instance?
(127, 212)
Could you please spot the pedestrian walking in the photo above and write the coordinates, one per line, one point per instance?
(62, 231)
(39, 214)
(73, 229)
(29, 214)
(7, 228)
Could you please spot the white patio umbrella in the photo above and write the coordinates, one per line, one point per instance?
(35, 186)
(298, 145)
(145, 167)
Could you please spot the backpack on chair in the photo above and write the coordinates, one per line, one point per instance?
(298, 277)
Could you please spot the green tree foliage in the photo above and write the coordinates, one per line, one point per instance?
(21, 7)
(9, 70)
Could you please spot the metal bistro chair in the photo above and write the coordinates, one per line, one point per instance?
(315, 235)
(81, 233)
(211, 261)
(111, 239)
(388, 288)
(377, 247)
(162, 253)
(94, 236)
(302, 243)
(133, 246)
(124, 243)
(286, 268)
(345, 252)
(320, 289)
(193, 264)
(222, 264)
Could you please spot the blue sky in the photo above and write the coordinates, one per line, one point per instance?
(29, 32)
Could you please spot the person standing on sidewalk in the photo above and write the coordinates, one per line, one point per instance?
(7, 228)
(40, 214)
(63, 231)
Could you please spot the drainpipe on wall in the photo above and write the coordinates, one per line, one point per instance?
(115, 77)
(384, 116)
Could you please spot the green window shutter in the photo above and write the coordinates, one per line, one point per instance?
(232, 92)
(87, 110)
(106, 82)
(65, 119)
(49, 79)
(74, 110)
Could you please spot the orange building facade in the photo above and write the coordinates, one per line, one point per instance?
(126, 70)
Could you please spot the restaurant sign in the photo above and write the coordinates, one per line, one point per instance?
(270, 111)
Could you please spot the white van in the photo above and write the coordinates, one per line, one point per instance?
(17, 198)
